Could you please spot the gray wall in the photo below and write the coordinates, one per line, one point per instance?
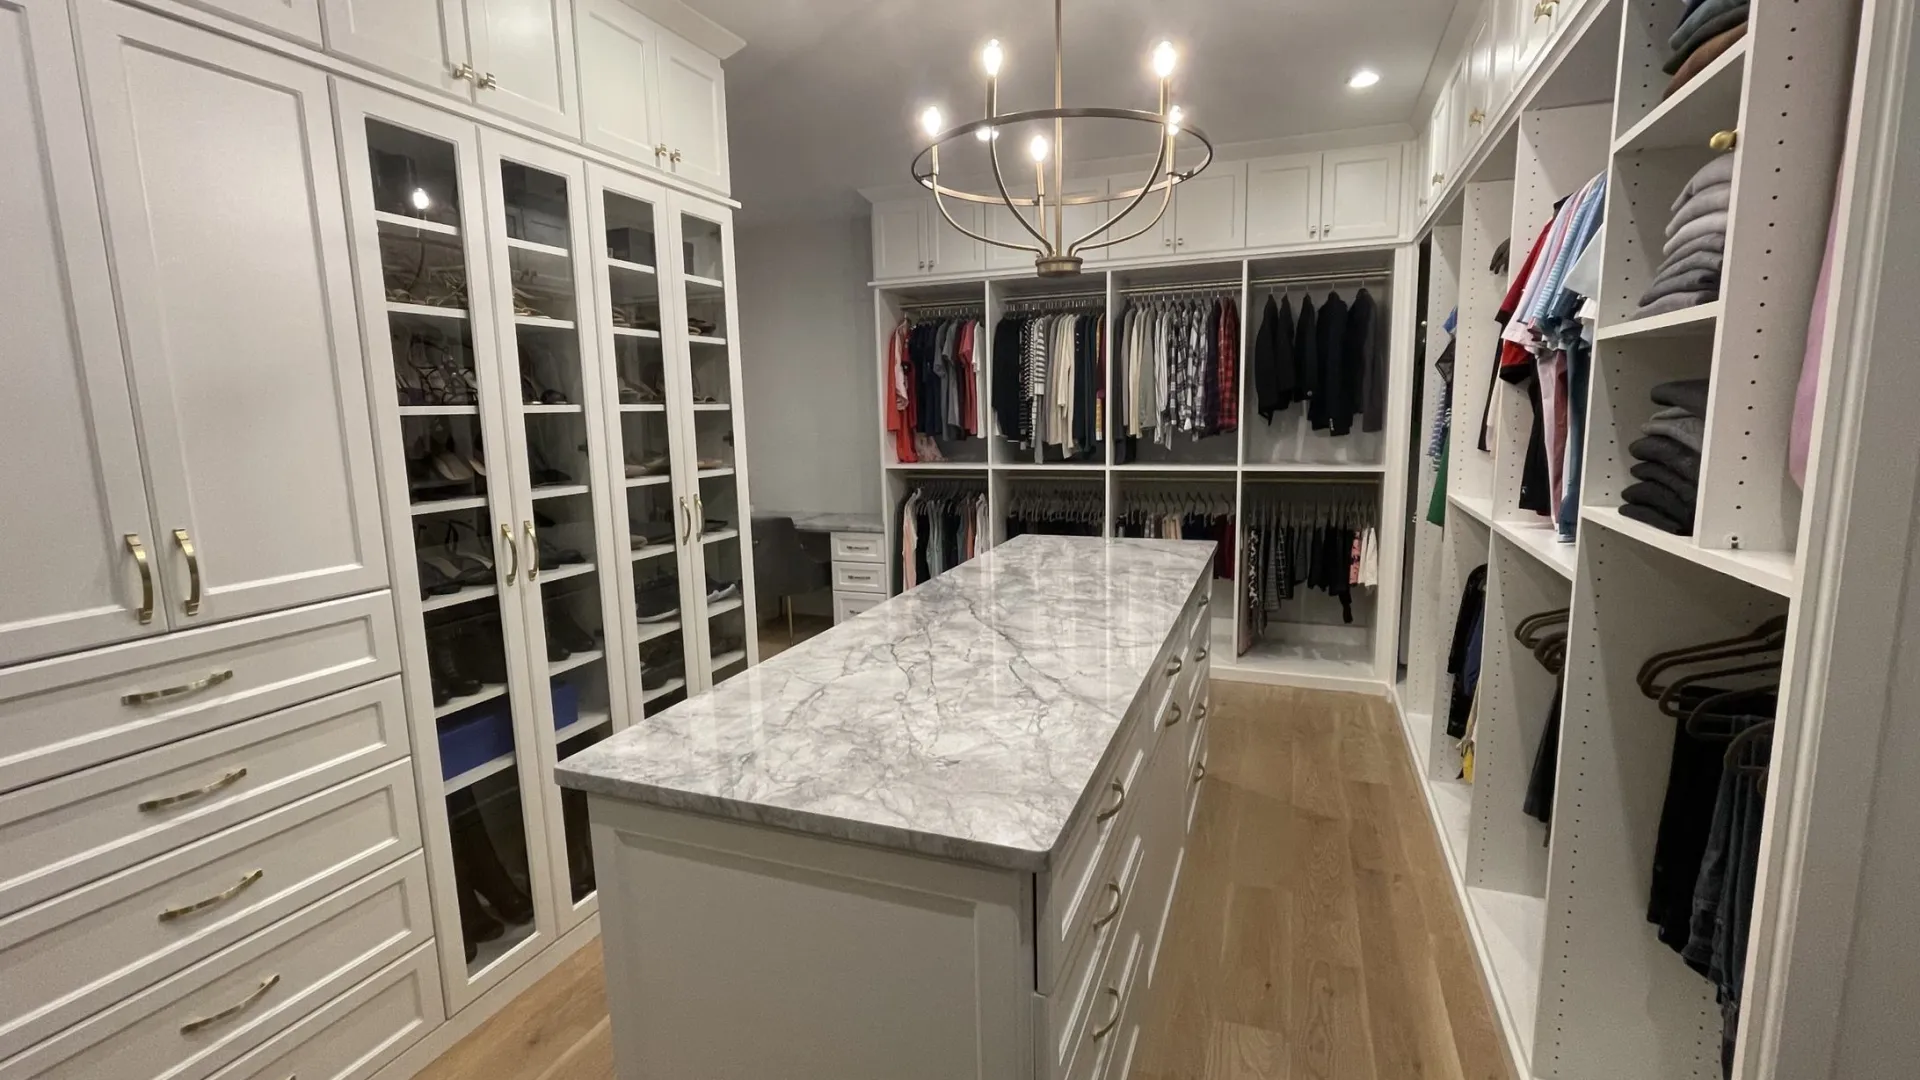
(812, 375)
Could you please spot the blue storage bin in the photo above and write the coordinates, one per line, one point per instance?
(474, 736)
(566, 703)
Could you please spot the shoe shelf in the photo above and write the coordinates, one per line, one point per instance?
(589, 720)
(708, 474)
(652, 552)
(645, 407)
(698, 286)
(731, 603)
(562, 573)
(447, 506)
(465, 596)
(656, 631)
(478, 773)
(705, 339)
(635, 332)
(439, 410)
(467, 701)
(548, 250)
(577, 660)
(718, 535)
(560, 491)
(649, 481)
(665, 688)
(626, 266)
(426, 311)
(412, 224)
(553, 410)
(542, 322)
(728, 659)
(711, 406)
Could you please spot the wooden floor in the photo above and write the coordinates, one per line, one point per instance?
(1316, 935)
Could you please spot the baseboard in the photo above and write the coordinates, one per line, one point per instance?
(466, 1021)
(1306, 680)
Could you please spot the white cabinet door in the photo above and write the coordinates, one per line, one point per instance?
(299, 19)
(1283, 200)
(1209, 210)
(72, 492)
(693, 113)
(220, 183)
(1360, 194)
(1439, 143)
(898, 234)
(1535, 26)
(523, 59)
(950, 251)
(1155, 243)
(422, 41)
(1478, 69)
(619, 52)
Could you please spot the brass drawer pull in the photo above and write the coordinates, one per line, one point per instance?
(1119, 789)
(1200, 712)
(218, 898)
(1113, 1021)
(148, 697)
(146, 577)
(513, 568)
(1173, 666)
(1201, 655)
(1199, 771)
(192, 604)
(235, 1009)
(533, 545)
(699, 507)
(1173, 715)
(226, 781)
(1724, 140)
(1113, 912)
(464, 71)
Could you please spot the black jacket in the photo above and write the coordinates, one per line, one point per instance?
(1334, 399)
(1273, 372)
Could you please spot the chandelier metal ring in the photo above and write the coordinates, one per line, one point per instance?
(924, 175)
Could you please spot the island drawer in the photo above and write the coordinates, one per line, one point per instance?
(1066, 1008)
(356, 1034)
(200, 1020)
(81, 827)
(1121, 979)
(859, 547)
(58, 716)
(78, 954)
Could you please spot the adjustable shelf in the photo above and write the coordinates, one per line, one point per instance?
(665, 688)
(486, 693)
(577, 660)
(656, 630)
(439, 410)
(1542, 541)
(562, 573)
(631, 267)
(426, 311)
(732, 603)
(542, 322)
(553, 410)
(718, 535)
(446, 506)
(559, 491)
(416, 225)
(588, 721)
(466, 595)
(480, 772)
(538, 249)
(1698, 321)
(1769, 570)
(1709, 103)
(728, 659)
(635, 332)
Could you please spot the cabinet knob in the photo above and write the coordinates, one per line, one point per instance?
(1724, 140)
(659, 152)
(674, 157)
(1166, 241)
(1476, 118)
(465, 71)
(1328, 231)
(1180, 242)
(1313, 230)
(487, 82)
(1544, 9)
(1437, 178)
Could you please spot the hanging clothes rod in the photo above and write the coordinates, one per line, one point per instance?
(1340, 278)
(953, 307)
(1079, 299)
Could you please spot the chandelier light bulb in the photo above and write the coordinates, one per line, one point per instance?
(990, 58)
(1163, 59)
(1174, 116)
(1038, 148)
(1364, 78)
(930, 121)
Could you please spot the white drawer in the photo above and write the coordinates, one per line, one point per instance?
(848, 605)
(71, 957)
(1072, 998)
(859, 547)
(356, 1034)
(60, 715)
(1119, 981)
(64, 833)
(245, 995)
(859, 578)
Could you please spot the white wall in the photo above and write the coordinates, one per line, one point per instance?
(807, 350)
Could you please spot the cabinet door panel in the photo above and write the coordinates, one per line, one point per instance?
(693, 113)
(421, 41)
(950, 250)
(73, 489)
(1155, 243)
(1209, 211)
(1361, 198)
(897, 234)
(223, 202)
(523, 51)
(619, 62)
(1283, 200)
(294, 18)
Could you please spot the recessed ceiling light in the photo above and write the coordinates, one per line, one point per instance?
(1363, 78)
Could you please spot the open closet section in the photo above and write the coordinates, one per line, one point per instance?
(1620, 278)
(1240, 401)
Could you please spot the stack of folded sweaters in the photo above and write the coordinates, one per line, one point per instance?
(1666, 467)
(1689, 274)
(1707, 29)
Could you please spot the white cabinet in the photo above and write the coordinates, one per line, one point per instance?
(1533, 27)
(297, 19)
(651, 96)
(693, 113)
(1477, 83)
(228, 237)
(948, 250)
(1340, 196)
(911, 237)
(1207, 214)
(1438, 141)
(1283, 200)
(422, 41)
(74, 494)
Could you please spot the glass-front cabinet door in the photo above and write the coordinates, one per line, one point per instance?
(444, 394)
(714, 473)
(646, 409)
(540, 246)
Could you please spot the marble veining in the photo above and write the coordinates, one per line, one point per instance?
(963, 719)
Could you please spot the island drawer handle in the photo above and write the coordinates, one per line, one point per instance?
(1113, 1021)
(1200, 712)
(1173, 666)
(1173, 714)
(1119, 789)
(1199, 771)
(147, 697)
(1201, 655)
(227, 781)
(217, 898)
(234, 1009)
(1113, 912)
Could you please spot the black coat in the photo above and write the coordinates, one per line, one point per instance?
(1334, 399)
(1273, 373)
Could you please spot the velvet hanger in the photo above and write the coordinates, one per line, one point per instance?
(1768, 636)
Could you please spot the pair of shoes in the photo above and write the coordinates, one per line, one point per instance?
(722, 590)
(652, 465)
(456, 564)
(479, 876)
(655, 676)
(535, 394)
(465, 655)
(570, 635)
(640, 393)
(658, 600)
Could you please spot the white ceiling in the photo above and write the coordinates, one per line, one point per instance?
(823, 99)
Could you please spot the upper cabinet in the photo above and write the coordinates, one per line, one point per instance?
(1208, 213)
(1340, 196)
(912, 238)
(1283, 200)
(650, 95)
(297, 19)
(523, 61)
(693, 113)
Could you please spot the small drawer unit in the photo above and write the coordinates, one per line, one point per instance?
(859, 573)
(860, 578)
(859, 547)
(846, 607)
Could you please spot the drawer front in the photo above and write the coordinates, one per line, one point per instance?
(1119, 981)
(846, 607)
(74, 956)
(1073, 998)
(203, 1018)
(358, 1033)
(61, 834)
(859, 547)
(57, 716)
(859, 577)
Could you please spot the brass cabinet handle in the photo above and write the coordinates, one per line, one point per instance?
(234, 1009)
(487, 82)
(1437, 178)
(1476, 118)
(1173, 715)
(513, 568)
(1119, 789)
(1724, 140)
(699, 516)
(1173, 666)
(192, 604)
(217, 898)
(1113, 912)
(660, 151)
(1544, 9)
(1200, 712)
(686, 522)
(1113, 1021)
(674, 157)
(465, 71)
(146, 577)
(1201, 655)
(147, 697)
(227, 781)
(533, 545)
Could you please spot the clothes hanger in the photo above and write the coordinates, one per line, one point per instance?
(1712, 708)
(1523, 632)
(1669, 699)
(1739, 749)
(1771, 631)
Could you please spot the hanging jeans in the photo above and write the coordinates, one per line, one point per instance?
(1579, 360)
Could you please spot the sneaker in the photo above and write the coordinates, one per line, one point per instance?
(725, 590)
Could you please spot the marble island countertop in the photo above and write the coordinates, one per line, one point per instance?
(963, 719)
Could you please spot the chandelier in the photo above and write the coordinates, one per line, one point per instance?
(1055, 254)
